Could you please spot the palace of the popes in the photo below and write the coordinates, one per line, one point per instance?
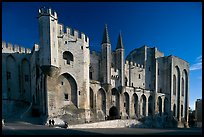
(60, 77)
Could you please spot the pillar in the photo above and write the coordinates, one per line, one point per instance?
(146, 106)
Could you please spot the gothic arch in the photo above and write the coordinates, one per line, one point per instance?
(134, 103)
(178, 90)
(12, 76)
(101, 100)
(68, 88)
(150, 105)
(126, 103)
(143, 105)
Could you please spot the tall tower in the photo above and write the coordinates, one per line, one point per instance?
(48, 29)
(106, 58)
(120, 60)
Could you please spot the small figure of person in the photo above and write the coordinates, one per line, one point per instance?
(53, 122)
(50, 122)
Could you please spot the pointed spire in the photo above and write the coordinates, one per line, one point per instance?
(105, 35)
(120, 42)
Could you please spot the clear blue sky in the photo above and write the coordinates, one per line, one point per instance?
(174, 28)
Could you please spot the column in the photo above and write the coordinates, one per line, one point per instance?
(140, 107)
(146, 106)
(162, 97)
(156, 88)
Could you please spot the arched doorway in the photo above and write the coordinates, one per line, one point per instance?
(113, 113)
(126, 103)
(143, 105)
(150, 105)
(101, 100)
(134, 103)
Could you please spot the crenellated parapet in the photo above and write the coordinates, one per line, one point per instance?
(8, 47)
(134, 65)
(73, 34)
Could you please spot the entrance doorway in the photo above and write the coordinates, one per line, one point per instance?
(113, 113)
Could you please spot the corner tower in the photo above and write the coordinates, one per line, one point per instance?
(48, 28)
(106, 58)
(120, 60)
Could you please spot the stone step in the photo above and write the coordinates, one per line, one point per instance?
(107, 124)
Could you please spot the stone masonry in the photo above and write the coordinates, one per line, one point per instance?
(61, 78)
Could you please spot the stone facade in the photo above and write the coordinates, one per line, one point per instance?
(61, 78)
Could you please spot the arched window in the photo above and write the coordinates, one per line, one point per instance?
(143, 105)
(68, 56)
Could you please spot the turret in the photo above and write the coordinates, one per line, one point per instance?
(120, 42)
(106, 58)
(120, 60)
(48, 28)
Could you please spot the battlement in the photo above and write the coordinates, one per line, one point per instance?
(72, 33)
(47, 12)
(133, 64)
(8, 47)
